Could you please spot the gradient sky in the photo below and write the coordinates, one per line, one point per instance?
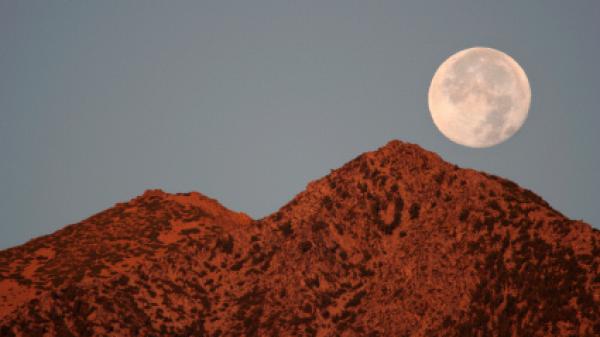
(247, 101)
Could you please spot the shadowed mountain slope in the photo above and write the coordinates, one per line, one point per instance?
(396, 242)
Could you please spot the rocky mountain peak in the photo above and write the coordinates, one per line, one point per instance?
(397, 242)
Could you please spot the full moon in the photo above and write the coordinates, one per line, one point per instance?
(479, 97)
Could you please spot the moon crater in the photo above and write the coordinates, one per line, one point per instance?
(479, 97)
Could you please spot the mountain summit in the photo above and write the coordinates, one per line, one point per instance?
(396, 242)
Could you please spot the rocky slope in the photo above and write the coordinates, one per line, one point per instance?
(395, 243)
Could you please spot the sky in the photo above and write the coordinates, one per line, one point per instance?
(248, 101)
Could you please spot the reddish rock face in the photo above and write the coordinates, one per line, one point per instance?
(395, 243)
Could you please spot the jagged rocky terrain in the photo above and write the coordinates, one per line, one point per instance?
(396, 242)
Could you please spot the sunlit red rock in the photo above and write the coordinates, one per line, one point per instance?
(397, 242)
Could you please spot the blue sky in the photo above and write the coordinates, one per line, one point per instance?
(248, 101)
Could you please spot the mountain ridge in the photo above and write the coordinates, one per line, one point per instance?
(395, 242)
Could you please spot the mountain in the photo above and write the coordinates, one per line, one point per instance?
(396, 242)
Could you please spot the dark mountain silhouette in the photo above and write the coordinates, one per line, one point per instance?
(397, 242)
